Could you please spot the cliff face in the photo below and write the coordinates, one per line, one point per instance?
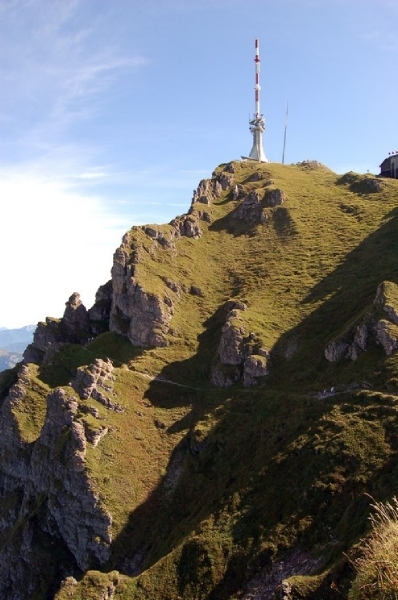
(206, 429)
(46, 487)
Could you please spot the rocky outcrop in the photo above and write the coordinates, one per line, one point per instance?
(372, 328)
(253, 207)
(143, 316)
(274, 197)
(387, 336)
(96, 381)
(361, 184)
(255, 366)
(75, 322)
(387, 300)
(59, 456)
(49, 336)
(99, 314)
(209, 189)
(240, 357)
(187, 225)
(250, 208)
(45, 486)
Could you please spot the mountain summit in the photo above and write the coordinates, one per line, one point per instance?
(219, 423)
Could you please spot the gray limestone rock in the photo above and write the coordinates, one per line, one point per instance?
(274, 197)
(385, 291)
(239, 358)
(336, 350)
(250, 208)
(99, 313)
(142, 316)
(186, 225)
(96, 381)
(75, 322)
(255, 366)
(387, 335)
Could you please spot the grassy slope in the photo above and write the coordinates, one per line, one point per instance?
(273, 467)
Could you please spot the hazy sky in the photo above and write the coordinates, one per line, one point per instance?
(111, 111)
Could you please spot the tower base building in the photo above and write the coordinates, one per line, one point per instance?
(257, 127)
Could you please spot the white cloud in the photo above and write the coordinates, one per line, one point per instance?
(54, 65)
(53, 242)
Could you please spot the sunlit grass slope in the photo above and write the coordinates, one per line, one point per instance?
(210, 487)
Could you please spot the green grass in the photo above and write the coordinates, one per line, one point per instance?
(207, 486)
(377, 563)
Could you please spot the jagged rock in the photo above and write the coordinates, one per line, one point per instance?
(49, 478)
(239, 358)
(230, 168)
(359, 343)
(75, 323)
(144, 317)
(197, 442)
(256, 176)
(47, 340)
(99, 313)
(231, 349)
(95, 435)
(82, 522)
(96, 381)
(255, 366)
(204, 216)
(225, 180)
(235, 305)
(274, 197)
(382, 331)
(238, 192)
(74, 327)
(386, 291)
(203, 193)
(151, 231)
(336, 350)
(186, 225)
(250, 209)
(387, 335)
(208, 189)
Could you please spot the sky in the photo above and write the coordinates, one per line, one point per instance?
(112, 111)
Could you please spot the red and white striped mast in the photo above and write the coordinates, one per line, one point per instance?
(257, 124)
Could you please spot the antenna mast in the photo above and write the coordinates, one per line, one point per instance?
(284, 137)
(257, 124)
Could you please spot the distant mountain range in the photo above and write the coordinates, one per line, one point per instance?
(13, 343)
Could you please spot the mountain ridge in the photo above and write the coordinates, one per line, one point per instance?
(267, 455)
(13, 342)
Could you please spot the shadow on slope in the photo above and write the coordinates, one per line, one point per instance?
(339, 299)
(278, 217)
(273, 467)
(274, 470)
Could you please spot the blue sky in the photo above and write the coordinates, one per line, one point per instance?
(111, 111)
